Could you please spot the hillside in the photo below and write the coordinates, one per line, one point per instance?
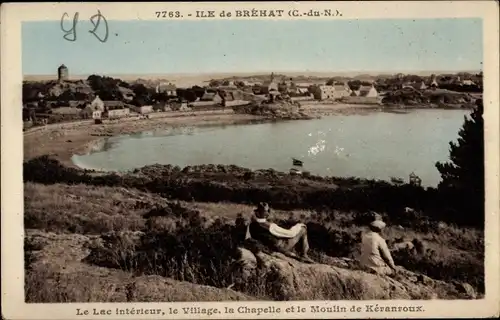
(115, 244)
(164, 233)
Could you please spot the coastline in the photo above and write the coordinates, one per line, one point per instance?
(80, 138)
(63, 140)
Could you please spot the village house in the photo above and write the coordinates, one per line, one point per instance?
(117, 113)
(209, 99)
(415, 85)
(169, 89)
(97, 104)
(366, 91)
(300, 88)
(268, 86)
(324, 92)
(114, 109)
(341, 90)
(143, 109)
(111, 105)
(213, 97)
(303, 91)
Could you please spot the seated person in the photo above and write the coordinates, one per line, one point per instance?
(375, 255)
(277, 238)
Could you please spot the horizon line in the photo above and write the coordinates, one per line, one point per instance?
(261, 72)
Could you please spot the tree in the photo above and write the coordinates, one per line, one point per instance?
(190, 95)
(214, 83)
(140, 90)
(463, 176)
(199, 91)
(330, 82)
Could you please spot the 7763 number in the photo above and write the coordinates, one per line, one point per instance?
(168, 14)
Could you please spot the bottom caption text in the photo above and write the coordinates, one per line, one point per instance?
(256, 311)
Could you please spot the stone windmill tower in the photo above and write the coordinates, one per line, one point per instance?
(62, 73)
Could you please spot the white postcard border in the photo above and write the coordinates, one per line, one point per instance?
(13, 306)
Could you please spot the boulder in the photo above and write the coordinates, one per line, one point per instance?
(466, 289)
(337, 279)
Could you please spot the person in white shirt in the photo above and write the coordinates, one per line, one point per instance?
(375, 255)
(276, 237)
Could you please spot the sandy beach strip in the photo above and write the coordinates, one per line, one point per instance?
(62, 141)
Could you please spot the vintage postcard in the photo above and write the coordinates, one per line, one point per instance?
(244, 160)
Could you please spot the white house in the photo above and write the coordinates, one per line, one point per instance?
(118, 113)
(143, 109)
(169, 89)
(324, 92)
(97, 104)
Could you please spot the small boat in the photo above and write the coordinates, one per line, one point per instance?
(297, 162)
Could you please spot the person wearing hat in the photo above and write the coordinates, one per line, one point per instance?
(277, 238)
(375, 255)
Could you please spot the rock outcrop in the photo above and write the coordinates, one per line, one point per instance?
(340, 280)
(56, 263)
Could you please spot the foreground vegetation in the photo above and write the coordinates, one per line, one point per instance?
(146, 234)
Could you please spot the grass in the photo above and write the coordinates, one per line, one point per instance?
(83, 209)
(45, 285)
(195, 242)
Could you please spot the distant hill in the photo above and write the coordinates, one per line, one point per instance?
(179, 77)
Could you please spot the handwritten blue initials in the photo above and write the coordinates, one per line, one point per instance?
(71, 34)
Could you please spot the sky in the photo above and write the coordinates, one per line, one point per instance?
(210, 46)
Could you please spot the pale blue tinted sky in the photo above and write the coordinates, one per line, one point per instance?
(143, 47)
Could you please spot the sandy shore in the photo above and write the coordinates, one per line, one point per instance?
(63, 141)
